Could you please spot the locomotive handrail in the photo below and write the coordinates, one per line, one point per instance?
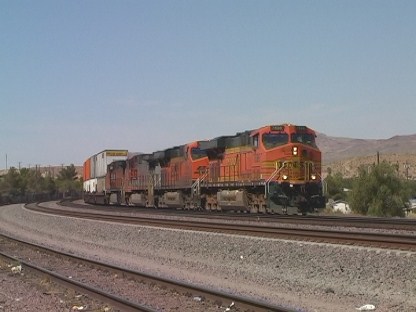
(307, 169)
(324, 184)
(272, 176)
(196, 186)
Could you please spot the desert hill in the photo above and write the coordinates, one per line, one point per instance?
(345, 155)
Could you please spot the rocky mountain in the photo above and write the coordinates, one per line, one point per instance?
(345, 155)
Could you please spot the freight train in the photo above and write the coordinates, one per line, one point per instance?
(272, 169)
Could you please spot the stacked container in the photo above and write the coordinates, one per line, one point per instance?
(95, 169)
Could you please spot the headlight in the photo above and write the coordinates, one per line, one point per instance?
(294, 150)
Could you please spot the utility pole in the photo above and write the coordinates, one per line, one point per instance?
(6, 161)
(406, 168)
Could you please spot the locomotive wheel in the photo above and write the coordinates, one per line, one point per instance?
(254, 209)
(208, 206)
(262, 209)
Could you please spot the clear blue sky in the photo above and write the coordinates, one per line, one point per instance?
(77, 77)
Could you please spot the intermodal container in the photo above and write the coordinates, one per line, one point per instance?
(87, 169)
(100, 161)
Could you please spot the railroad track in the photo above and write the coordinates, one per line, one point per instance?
(379, 240)
(344, 221)
(118, 300)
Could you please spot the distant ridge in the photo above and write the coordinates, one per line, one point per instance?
(345, 155)
(337, 148)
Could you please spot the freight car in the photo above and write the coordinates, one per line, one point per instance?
(273, 169)
(95, 172)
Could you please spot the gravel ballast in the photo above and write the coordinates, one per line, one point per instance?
(300, 275)
(27, 292)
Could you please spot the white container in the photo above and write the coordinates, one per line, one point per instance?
(100, 161)
(90, 186)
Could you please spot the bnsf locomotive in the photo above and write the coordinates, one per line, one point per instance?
(273, 169)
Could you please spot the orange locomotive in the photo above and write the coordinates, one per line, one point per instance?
(273, 169)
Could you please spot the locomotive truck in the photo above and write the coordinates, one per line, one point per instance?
(272, 169)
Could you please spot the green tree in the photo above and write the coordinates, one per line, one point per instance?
(67, 173)
(49, 185)
(336, 185)
(29, 181)
(29, 184)
(411, 187)
(11, 184)
(67, 181)
(378, 191)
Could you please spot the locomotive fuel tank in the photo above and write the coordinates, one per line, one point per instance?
(232, 200)
(172, 200)
(114, 199)
(137, 200)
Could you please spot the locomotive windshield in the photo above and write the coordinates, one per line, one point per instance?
(271, 140)
(197, 153)
(304, 138)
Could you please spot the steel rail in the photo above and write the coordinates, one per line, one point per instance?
(380, 240)
(113, 300)
(325, 220)
(240, 302)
